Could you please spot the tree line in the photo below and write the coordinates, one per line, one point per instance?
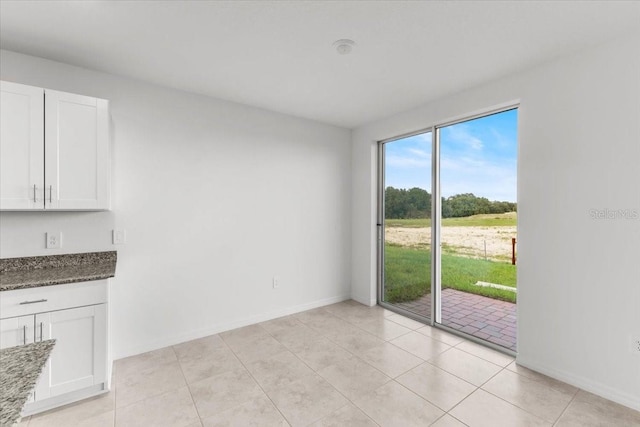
(416, 203)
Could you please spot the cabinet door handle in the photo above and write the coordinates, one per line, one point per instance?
(33, 302)
(40, 331)
(24, 334)
(50, 192)
(34, 193)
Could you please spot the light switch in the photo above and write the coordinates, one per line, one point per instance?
(119, 237)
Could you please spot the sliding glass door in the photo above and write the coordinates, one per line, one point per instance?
(450, 259)
(405, 224)
(478, 233)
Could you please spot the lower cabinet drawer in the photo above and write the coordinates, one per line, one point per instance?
(21, 302)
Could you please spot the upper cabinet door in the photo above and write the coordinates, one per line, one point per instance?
(77, 152)
(21, 146)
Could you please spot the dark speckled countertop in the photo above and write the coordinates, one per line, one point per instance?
(31, 272)
(20, 369)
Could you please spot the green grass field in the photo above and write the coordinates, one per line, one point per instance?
(484, 220)
(408, 276)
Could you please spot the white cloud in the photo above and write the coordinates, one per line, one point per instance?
(407, 162)
(459, 134)
(419, 153)
(480, 177)
(499, 140)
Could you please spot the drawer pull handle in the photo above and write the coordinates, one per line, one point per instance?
(33, 302)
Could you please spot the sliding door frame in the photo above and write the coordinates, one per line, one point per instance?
(436, 220)
(380, 225)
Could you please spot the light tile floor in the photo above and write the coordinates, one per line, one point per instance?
(340, 365)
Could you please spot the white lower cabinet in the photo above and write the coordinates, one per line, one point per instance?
(16, 331)
(79, 359)
(77, 367)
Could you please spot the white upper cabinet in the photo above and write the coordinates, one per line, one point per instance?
(21, 146)
(76, 152)
(56, 148)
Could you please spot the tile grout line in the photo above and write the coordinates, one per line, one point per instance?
(573, 398)
(575, 393)
(423, 360)
(426, 400)
(332, 386)
(480, 357)
(254, 379)
(515, 406)
(448, 414)
(416, 330)
(325, 380)
(366, 362)
(459, 403)
(394, 379)
(449, 373)
(387, 342)
(505, 400)
(115, 391)
(444, 370)
(189, 385)
(539, 381)
(351, 352)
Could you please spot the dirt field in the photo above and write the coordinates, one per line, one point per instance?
(466, 241)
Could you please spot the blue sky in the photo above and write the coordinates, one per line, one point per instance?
(477, 156)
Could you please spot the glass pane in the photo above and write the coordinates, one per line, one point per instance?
(478, 184)
(407, 224)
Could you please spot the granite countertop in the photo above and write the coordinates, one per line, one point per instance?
(31, 272)
(20, 369)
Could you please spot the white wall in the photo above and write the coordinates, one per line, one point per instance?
(215, 197)
(579, 149)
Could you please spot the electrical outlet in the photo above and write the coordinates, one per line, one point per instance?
(276, 282)
(634, 345)
(54, 239)
(119, 237)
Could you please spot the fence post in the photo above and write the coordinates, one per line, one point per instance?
(513, 251)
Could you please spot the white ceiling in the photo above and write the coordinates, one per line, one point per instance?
(279, 55)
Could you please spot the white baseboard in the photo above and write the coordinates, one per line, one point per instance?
(586, 384)
(64, 399)
(225, 326)
(365, 300)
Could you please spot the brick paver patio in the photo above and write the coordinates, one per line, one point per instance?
(486, 318)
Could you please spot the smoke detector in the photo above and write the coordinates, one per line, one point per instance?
(344, 46)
